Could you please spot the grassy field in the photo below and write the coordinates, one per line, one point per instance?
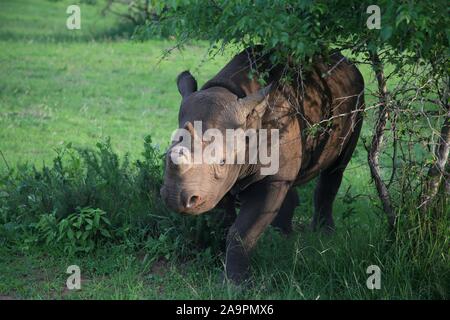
(82, 86)
(62, 85)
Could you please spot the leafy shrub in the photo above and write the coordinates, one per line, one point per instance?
(47, 228)
(79, 232)
(83, 178)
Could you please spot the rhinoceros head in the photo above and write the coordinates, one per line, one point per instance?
(192, 183)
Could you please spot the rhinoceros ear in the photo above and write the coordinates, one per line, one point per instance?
(255, 103)
(186, 83)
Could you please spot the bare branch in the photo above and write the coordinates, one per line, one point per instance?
(377, 141)
(438, 171)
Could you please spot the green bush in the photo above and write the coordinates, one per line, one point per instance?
(79, 232)
(82, 178)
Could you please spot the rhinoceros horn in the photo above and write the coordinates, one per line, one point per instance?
(256, 102)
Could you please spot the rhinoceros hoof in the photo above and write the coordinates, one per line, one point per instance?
(326, 228)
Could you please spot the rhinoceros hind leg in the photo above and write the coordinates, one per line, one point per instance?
(328, 186)
(324, 195)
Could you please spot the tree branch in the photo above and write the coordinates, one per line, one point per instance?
(377, 141)
(438, 170)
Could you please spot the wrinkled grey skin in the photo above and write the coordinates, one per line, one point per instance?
(332, 90)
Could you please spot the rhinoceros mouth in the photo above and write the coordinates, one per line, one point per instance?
(198, 209)
(175, 203)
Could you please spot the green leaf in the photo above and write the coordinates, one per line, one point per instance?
(386, 32)
(70, 234)
(105, 233)
(96, 220)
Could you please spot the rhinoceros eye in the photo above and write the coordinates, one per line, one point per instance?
(219, 169)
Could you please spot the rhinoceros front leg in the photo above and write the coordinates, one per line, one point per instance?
(260, 204)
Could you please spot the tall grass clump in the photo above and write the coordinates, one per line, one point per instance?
(413, 260)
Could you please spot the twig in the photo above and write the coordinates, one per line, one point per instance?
(6, 162)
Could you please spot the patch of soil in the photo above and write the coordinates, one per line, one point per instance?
(66, 291)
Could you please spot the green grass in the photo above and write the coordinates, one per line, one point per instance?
(61, 86)
(301, 267)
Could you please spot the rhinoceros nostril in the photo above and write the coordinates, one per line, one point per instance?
(193, 202)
